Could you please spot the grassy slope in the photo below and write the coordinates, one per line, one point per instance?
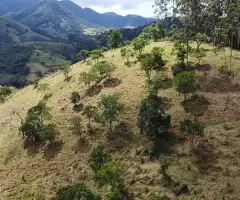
(19, 32)
(21, 172)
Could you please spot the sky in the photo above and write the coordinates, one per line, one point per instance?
(122, 7)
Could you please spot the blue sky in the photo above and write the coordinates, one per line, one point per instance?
(123, 7)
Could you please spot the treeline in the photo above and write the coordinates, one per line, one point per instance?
(218, 19)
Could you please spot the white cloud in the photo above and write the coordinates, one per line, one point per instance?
(123, 7)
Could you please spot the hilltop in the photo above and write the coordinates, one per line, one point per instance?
(212, 173)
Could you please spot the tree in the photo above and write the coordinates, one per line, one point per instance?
(98, 158)
(185, 82)
(83, 54)
(75, 98)
(156, 33)
(139, 44)
(4, 92)
(159, 63)
(47, 132)
(114, 38)
(148, 65)
(43, 87)
(127, 52)
(78, 191)
(152, 119)
(90, 112)
(96, 54)
(88, 77)
(66, 70)
(34, 126)
(103, 69)
(111, 173)
(76, 126)
(192, 130)
(199, 54)
(109, 109)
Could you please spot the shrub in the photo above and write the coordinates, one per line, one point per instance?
(178, 67)
(192, 130)
(116, 195)
(76, 126)
(98, 158)
(66, 70)
(75, 98)
(152, 119)
(47, 132)
(103, 69)
(185, 83)
(111, 173)
(78, 191)
(88, 77)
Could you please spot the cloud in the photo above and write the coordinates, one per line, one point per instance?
(124, 4)
(123, 7)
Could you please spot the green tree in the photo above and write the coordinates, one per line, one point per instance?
(47, 132)
(152, 119)
(156, 33)
(114, 38)
(159, 63)
(96, 54)
(66, 70)
(109, 109)
(199, 54)
(104, 69)
(148, 65)
(83, 54)
(88, 77)
(4, 92)
(33, 126)
(75, 98)
(78, 191)
(112, 173)
(192, 130)
(185, 83)
(76, 126)
(138, 44)
(98, 158)
(90, 112)
(127, 52)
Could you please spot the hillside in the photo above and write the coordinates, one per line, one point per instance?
(12, 32)
(212, 173)
(50, 19)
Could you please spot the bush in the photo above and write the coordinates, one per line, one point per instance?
(48, 132)
(75, 98)
(185, 83)
(76, 126)
(78, 191)
(111, 173)
(98, 158)
(116, 195)
(152, 119)
(178, 67)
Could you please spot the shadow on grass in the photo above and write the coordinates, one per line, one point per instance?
(94, 90)
(51, 150)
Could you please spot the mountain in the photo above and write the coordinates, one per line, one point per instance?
(12, 32)
(59, 19)
(108, 20)
(15, 6)
(50, 19)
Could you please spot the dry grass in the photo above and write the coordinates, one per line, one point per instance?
(21, 172)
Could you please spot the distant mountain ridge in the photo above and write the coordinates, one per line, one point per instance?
(57, 19)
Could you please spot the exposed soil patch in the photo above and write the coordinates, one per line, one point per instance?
(203, 68)
(51, 150)
(112, 82)
(94, 90)
(217, 84)
(196, 105)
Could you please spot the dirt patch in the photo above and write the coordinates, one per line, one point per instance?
(51, 150)
(167, 83)
(203, 68)
(196, 105)
(78, 108)
(112, 82)
(217, 84)
(83, 145)
(94, 90)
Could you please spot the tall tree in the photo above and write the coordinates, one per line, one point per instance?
(115, 38)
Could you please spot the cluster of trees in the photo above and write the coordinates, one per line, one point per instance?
(33, 126)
